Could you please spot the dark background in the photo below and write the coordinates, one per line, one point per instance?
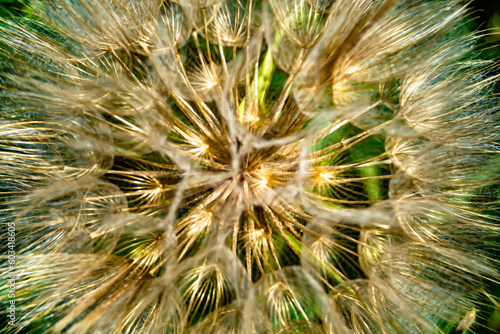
(487, 17)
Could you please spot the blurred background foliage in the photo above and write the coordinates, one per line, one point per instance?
(486, 18)
(7, 7)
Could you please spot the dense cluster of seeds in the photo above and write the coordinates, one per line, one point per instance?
(246, 166)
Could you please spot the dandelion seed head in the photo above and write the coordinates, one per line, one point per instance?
(284, 166)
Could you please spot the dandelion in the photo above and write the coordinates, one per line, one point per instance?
(245, 166)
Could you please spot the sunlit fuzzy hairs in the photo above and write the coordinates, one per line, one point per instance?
(282, 166)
